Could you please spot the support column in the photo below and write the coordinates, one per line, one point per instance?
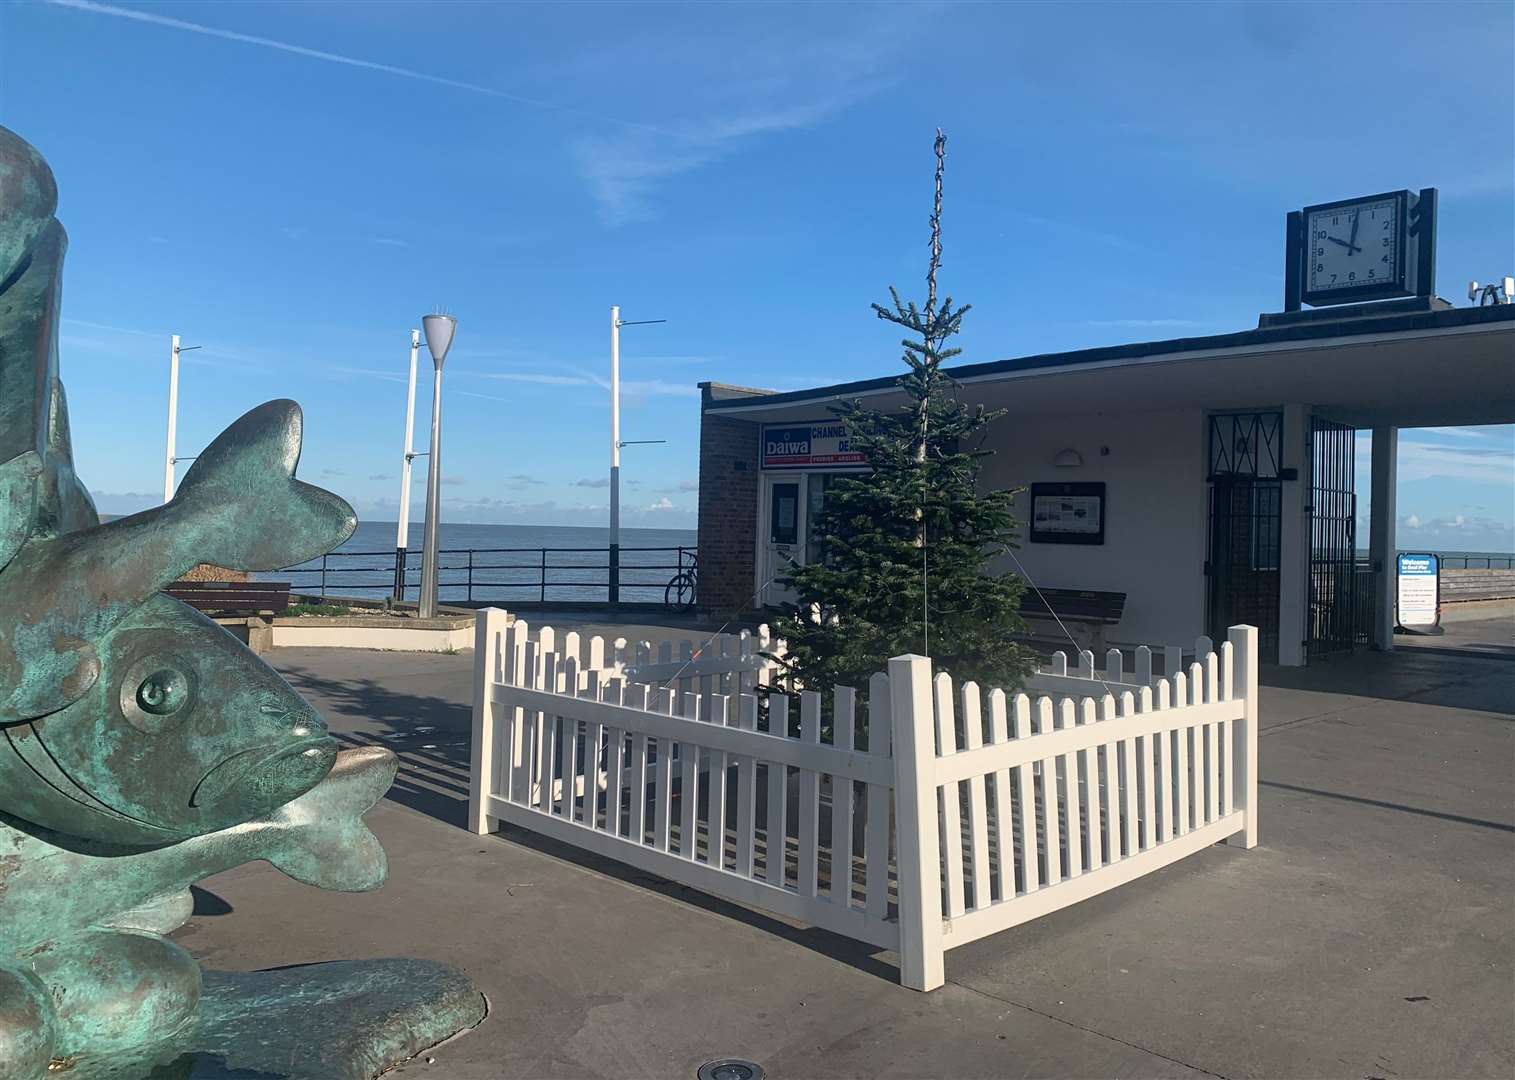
(1294, 539)
(1381, 547)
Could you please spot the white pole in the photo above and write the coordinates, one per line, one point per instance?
(402, 532)
(615, 425)
(173, 413)
(615, 454)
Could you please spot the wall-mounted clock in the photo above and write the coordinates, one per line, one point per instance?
(1369, 248)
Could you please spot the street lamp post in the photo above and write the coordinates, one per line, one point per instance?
(173, 418)
(439, 333)
(616, 322)
(169, 458)
(615, 455)
(402, 533)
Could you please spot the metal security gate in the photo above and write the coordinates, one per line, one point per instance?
(1241, 566)
(1334, 602)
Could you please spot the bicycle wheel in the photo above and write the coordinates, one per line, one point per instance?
(679, 595)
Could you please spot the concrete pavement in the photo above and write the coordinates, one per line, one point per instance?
(1370, 935)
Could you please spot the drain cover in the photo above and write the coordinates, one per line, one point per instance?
(731, 1069)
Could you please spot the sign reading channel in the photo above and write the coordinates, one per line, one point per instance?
(809, 446)
(1418, 601)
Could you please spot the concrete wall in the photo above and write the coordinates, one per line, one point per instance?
(728, 504)
(1155, 513)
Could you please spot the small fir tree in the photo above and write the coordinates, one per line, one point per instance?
(904, 550)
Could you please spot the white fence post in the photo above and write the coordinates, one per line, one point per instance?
(919, 855)
(1244, 736)
(489, 632)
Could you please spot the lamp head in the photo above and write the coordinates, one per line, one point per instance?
(439, 331)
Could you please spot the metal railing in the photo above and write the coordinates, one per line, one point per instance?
(1454, 561)
(513, 575)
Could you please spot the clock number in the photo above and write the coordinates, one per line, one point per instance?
(1320, 234)
(1384, 259)
(1352, 276)
(1386, 241)
(1333, 278)
(1388, 225)
(1370, 273)
(1320, 251)
(1320, 267)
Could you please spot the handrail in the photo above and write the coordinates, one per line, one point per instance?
(642, 573)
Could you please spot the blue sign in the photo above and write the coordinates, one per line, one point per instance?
(1418, 598)
(809, 446)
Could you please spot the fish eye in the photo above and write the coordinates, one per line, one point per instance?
(163, 692)
(156, 692)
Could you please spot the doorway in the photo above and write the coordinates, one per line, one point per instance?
(790, 507)
(1246, 500)
(1341, 607)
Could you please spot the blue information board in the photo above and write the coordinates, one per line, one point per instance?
(1418, 595)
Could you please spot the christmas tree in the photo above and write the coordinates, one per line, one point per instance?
(904, 552)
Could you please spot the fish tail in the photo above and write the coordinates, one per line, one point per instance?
(323, 840)
(246, 510)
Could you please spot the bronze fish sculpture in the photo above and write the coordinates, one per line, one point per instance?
(141, 746)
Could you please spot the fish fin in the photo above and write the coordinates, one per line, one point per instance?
(247, 509)
(18, 502)
(322, 839)
(161, 915)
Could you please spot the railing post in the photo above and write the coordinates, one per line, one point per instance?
(919, 853)
(323, 577)
(1243, 640)
(470, 575)
(615, 573)
(544, 575)
(488, 646)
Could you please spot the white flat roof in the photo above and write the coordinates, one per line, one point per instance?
(1423, 369)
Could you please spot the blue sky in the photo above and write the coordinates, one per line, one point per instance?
(292, 185)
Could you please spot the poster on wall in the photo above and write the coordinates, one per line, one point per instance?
(1068, 513)
(821, 445)
(1418, 596)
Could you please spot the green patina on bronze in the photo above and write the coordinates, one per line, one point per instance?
(142, 748)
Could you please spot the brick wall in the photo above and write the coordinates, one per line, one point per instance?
(728, 505)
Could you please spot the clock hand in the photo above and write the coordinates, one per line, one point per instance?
(1352, 239)
(1343, 243)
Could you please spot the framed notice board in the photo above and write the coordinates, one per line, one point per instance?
(1068, 513)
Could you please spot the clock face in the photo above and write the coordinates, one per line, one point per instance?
(1353, 246)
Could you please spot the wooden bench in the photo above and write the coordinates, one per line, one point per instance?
(1075, 607)
(261, 597)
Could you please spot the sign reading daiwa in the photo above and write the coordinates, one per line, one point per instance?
(809, 446)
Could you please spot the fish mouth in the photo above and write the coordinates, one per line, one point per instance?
(268, 776)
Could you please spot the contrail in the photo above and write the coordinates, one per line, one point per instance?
(338, 58)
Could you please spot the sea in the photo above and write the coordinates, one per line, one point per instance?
(501, 562)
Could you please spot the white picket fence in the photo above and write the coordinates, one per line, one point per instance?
(928, 817)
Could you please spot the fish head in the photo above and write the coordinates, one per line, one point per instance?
(185, 732)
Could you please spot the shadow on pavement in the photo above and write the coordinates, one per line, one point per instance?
(429, 734)
(856, 954)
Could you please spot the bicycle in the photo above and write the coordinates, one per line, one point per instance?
(679, 594)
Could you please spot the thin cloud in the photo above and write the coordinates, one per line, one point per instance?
(602, 482)
(387, 241)
(1451, 432)
(1147, 324)
(793, 77)
(372, 373)
(630, 388)
(337, 58)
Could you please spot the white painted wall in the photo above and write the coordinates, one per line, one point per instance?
(1155, 513)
